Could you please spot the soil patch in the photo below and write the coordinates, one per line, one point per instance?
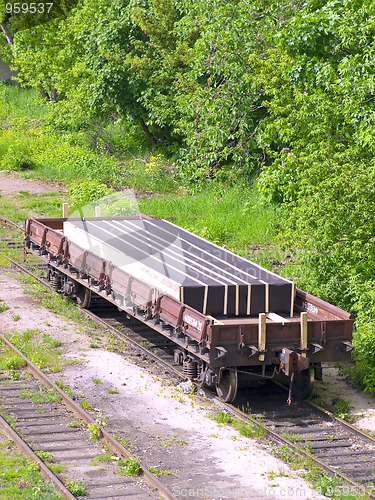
(11, 184)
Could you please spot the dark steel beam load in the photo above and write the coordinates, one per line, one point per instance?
(176, 262)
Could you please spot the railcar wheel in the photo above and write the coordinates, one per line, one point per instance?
(227, 387)
(303, 383)
(83, 296)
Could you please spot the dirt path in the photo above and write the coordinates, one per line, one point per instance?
(11, 184)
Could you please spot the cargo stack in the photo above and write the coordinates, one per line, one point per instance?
(176, 262)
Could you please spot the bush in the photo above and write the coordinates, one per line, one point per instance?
(14, 151)
(363, 297)
(15, 159)
(83, 192)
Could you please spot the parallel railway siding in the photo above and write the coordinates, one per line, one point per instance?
(47, 429)
(345, 449)
(339, 449)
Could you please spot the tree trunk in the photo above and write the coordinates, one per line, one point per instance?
(146, 130)
(53, 94)
(7, 33)
(43, 93)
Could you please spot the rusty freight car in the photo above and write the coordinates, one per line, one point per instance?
(226, 316)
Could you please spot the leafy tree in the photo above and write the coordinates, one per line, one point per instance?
(224, 106)
(320, 133)
(31, 31)
(138, 61)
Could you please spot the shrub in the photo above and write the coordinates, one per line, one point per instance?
(83, 192)
(15, 159)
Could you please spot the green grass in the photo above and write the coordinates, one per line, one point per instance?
(115, 153)
(342, 409)
(40, 397)
(44, 204)
(105, 457)
(51, 342)
(20, 478)
(20, 103)
(10, 361)
(86, 405)
(221, 417)
(129, 467)
(112, 391)
(77, 489)
(74, 424)
(24, 204)
(43, 354)
(162, 472)
(61, 385)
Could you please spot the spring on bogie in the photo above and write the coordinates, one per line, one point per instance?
(56, 282)
(190, 368)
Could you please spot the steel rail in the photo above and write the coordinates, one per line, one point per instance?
(274, 435)
(332, 416)
(238, 413)
(150, 479)
(11, 223)
(44, 470)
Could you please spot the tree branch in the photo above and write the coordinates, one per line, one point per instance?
(7, 33)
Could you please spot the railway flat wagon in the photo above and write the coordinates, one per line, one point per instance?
(227, 317)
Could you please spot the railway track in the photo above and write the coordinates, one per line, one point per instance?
(59, 430)
(318, 436)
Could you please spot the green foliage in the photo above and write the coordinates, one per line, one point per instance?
(54, 343)
(105, 457)
(13, 375)
(3, 306)
(82, 192)
(95, 432)
(342, 408)
(67, 164)
(11, 361)
(162, 472)
(44, 455)
(21, 479)
(86, 405)
(222, 417)
(36, 349)
(43, 396)
(77, 489)
(74, 424)
(16, 158)
(129, 467)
